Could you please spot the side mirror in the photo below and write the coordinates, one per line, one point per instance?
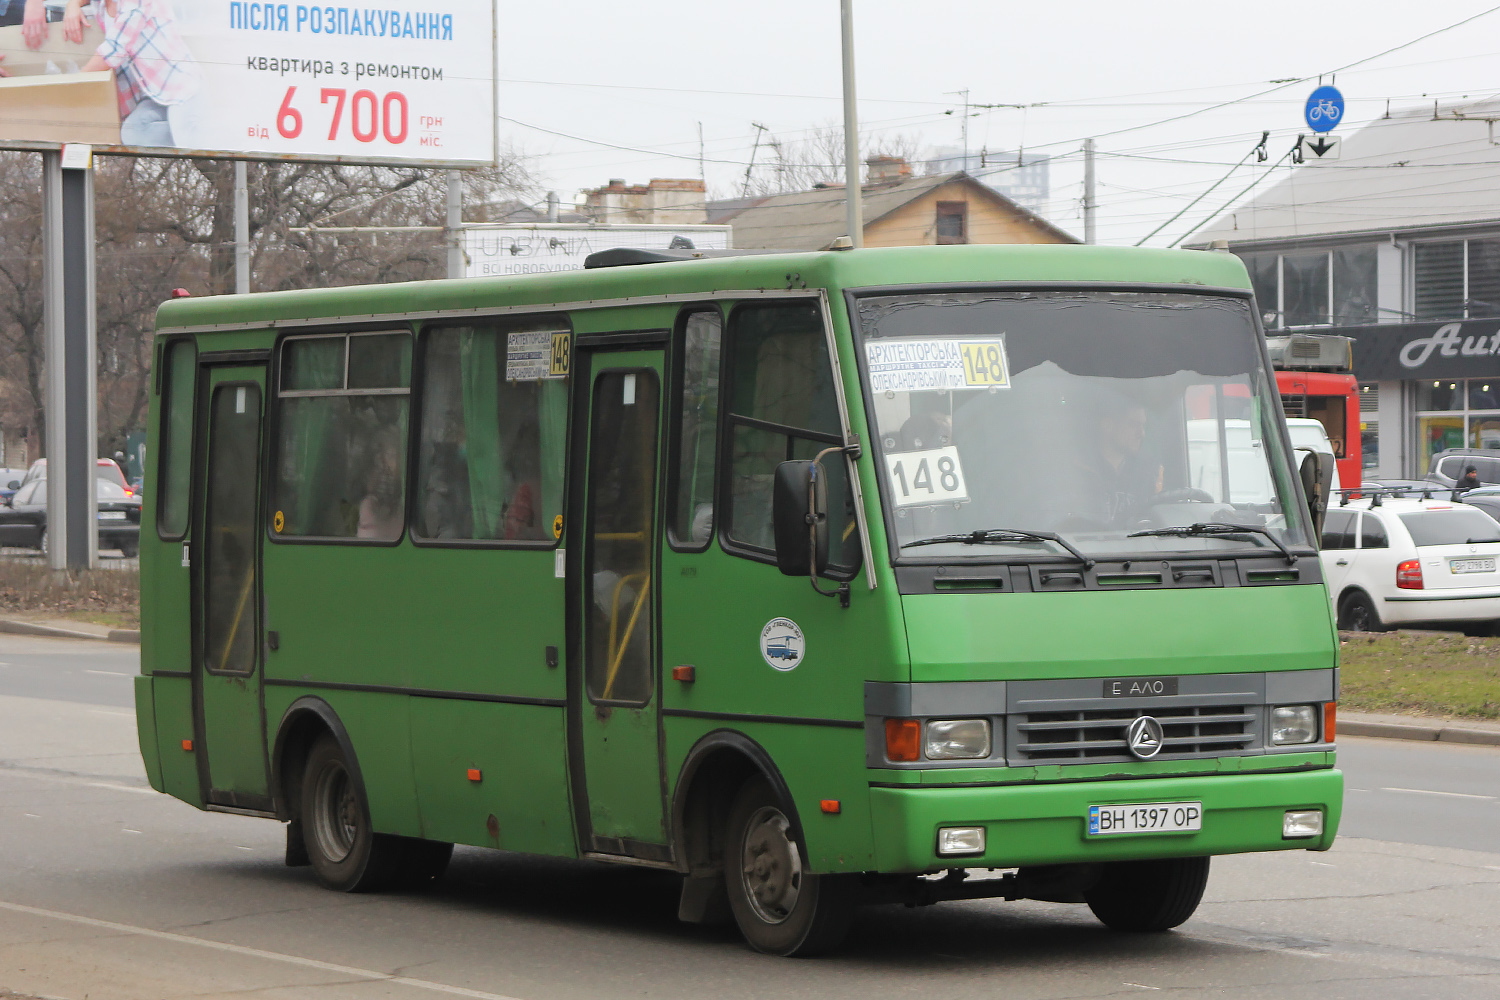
(1317, 479)
(14, 484)
(799, 513)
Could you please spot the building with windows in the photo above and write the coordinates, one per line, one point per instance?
(899, 210)
(1396, 244)
(1024, 178)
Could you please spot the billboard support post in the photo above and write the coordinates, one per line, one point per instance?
(241, 228)
(453, 234)
(71, 400)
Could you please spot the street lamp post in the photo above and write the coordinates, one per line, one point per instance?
(855, 214)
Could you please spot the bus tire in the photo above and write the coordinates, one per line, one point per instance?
(780, 908)
(1148, 896)
(345, 851)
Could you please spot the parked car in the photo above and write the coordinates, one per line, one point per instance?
(1403, 561)
(105, 468)
(10, 481)
(1448, 466)
(23, 519)
(1487, 502)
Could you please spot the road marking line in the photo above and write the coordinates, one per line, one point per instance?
(236, 949)
(1431, 791)
(109, 673)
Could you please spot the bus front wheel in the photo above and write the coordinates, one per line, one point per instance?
(1148, 895)
(781, 909)
(344, 849)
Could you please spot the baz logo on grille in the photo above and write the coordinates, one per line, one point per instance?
(1143, 737)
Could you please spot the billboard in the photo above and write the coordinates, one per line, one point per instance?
(409, 80)
(506, 249)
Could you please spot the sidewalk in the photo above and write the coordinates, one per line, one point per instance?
(62, 628)
(1411, 727)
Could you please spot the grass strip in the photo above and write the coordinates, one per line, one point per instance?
(1420, 673)
(28, 589)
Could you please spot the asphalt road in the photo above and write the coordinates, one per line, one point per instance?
(110, 890)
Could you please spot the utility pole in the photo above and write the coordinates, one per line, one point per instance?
(241, 228)
(702, 167)
(1090, 198)
(455, 224)
(854, 210)
(759, 131)
(71, 403)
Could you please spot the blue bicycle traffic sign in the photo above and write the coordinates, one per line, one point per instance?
(1325, 106)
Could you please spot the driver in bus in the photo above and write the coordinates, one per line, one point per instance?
(1113, 479)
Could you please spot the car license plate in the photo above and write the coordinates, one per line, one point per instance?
(111, 515)
(1145, 817)
(1485, 565)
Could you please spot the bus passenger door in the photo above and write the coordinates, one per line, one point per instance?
(614, 690)
(229, 728)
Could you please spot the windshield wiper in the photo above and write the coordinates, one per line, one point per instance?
(1005, 535)
(1203, 528)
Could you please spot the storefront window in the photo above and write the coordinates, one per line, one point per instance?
(1369, 426)
(1354, 286)
(1456, 413)
(1325, 287)
(1304, 289)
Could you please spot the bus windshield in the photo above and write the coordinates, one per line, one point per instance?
(1089, 414)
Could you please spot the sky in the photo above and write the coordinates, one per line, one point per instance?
(1176, 93)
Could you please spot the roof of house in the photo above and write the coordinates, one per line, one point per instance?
(1420, 168)
(811, 220)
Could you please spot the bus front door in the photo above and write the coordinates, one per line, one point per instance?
(225, 559)
(613, 653)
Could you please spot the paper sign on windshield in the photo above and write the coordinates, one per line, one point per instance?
(917, 365)
(536, 354)
(926, 477)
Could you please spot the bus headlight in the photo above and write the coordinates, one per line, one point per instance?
(957, 739)
(1300, 823)
(960, 840)
(1294, 724)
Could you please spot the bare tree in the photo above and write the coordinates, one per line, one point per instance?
(166, 223)
(818, 158)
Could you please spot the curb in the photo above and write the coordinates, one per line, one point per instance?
(53, 632)
(1436, 732)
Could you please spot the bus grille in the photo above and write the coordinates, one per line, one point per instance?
(1069, 737)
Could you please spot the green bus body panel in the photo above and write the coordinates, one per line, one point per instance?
(518, 752)
(1047, 824)
(173, 711)
(145, 729)
(407, 623)
(1218, 630)
(832, 269)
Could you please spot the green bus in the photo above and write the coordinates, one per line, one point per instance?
(820, 579)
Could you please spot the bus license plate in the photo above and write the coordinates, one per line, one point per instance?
(111, 515)
(1486, 565)
(1146, 817)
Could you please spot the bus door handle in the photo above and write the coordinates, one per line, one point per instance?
(1341, 562)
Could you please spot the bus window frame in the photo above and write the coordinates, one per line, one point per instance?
(857, 339)
(272, 417)
(164, 388)
(677, 376)
(722, 484)
(414, 439)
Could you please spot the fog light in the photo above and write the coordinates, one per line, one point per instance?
(957, 739)
(1294, 724)
(960, 840)
(1299, 823)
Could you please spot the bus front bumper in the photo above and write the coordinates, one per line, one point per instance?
(1047, 824)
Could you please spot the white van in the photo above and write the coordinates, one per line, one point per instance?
(1249, 475)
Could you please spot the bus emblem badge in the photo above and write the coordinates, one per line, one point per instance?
(1143, 737)
(781, 644)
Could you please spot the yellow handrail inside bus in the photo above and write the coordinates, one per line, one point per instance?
(617, 653)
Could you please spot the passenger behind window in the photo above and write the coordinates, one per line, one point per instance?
(380, 514)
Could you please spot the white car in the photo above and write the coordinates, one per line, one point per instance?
(1395, 561)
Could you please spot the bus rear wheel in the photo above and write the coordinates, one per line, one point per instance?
(1148, 895)
(781, 909)
(345, 851)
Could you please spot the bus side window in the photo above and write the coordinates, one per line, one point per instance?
(493, 423)
(692, 516)
(174, 482)
(341, 455)
(782, 406)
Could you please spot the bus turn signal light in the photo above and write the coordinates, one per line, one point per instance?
(1330, 713)
(1409, 575)
(475, 774)
(903, 740)
(187, 744)
(830, 806)
(685, 672)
